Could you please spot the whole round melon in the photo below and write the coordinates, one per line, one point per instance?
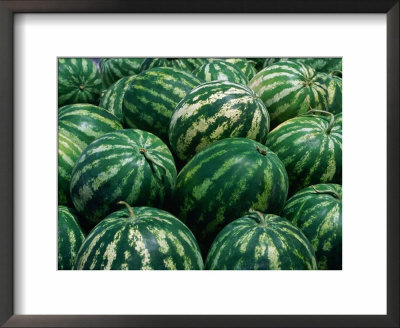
(213, 111)
(112, 98)
(140, 238)
(310, 146)
(70, 237)
(218, 69)
(78, 126)
(333, 86)
(247, 67)
(79, 81)
(288, 89)
(152, 97)
(184, 64)
(317, 211)
(224, 181)
(260, 241)
(127, 165)
(113, 69)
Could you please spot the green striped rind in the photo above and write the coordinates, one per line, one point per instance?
(337, 125)
(247, 67)
(70, 237)
(288, 89)
(260, 241)
(317, 211)
(224, 181)
(85, 122)
(310, 155)
(152, 240)
(333, 86)
(220, 70)
(185, 64)
(321, 65)
(113, 98)
(113, 69)
(78, 126)
(271, 61)
(128, 165)
(79, 81)
(258, 63)
(152, 97)
(68, 154)
(214, 111)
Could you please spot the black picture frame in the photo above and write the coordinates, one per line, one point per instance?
(7, 198)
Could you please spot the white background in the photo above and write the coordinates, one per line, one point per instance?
(359, 289)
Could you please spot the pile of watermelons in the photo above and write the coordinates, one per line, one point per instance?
(198, 163)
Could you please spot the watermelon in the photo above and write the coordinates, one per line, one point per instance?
(220, 70)
(310, 146)
(288, 89)
(317, 211)
(246, 66)
(321, 65)
(152, 97)
(333, 86)
(271, 61)
(260, 241)
(185, 64)
(113, 98)
(68, 154)
(337, 125)
(214, 111)
(79, 81)
(324, 65)
(130, 165)
(78, 126)
(70, 237)
(258, 63)
(224, 181)
(140, 238)
(113, 69)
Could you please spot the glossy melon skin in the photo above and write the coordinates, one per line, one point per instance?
(310, 153)
(288, 89)
(151, 239)
(224, 181)
(113, 69)
(317, 211)
(214, 111)
(127, 165)
(78, 126)
(260, 241)
(152, 96)
(70, 237)
(79, 81)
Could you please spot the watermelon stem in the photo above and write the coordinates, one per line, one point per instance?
(153, 162)
(130, 209)
(335, 72)
(329, 192)
(256, 215)
(328, 130)
(261, 151)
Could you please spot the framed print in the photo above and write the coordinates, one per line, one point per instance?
(47, 48)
